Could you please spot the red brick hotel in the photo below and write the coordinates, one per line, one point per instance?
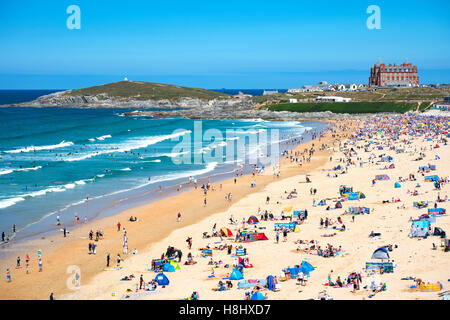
(404, 75)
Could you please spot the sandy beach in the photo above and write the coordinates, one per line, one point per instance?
(158, 228)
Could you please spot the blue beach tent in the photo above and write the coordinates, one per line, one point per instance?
(168, 267)
(161, 279)
(270, 284)
(236, 275)
(307, 267)
(397, 185)
(257, 296)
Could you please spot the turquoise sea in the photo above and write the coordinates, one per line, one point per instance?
(55, 159)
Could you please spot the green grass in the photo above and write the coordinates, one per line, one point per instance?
(345, 107)
(380, 95)
(423, 106)
(139, 90)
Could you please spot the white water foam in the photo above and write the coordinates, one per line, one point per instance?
(129, 145)
(8, 171)
(104, 137)
(62, 144)
(5, 203)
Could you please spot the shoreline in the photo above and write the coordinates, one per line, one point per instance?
(76, 243)
(118, 201)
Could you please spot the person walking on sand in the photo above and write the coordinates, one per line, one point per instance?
(118, 226)
(108, 258)
(51, 296)
(204, 202)
(118, 260)
(179, 217)
(8, 275)
(40, 265)
(278, 237)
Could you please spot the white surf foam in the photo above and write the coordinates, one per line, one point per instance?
(62, 144)
(104, 137)
(5, 203)
(8, 171)
(129, 145)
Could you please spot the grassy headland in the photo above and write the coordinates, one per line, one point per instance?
(139, 90)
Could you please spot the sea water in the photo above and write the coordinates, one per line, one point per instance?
(87, 162)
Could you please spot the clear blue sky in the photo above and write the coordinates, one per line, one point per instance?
(215, 44)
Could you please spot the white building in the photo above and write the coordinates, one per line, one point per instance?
(347, 87)
(269, 92)
(442, 106)
(293, 100)
(332, 99)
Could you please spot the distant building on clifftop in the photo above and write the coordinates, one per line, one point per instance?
(269, 92)
(403, 76)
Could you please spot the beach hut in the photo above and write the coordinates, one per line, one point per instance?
(161, 279)
(253, 220)
(338, 205)
(380, 253)
(397, 185)
(226, 232)
(236, 275)
(257, 296)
